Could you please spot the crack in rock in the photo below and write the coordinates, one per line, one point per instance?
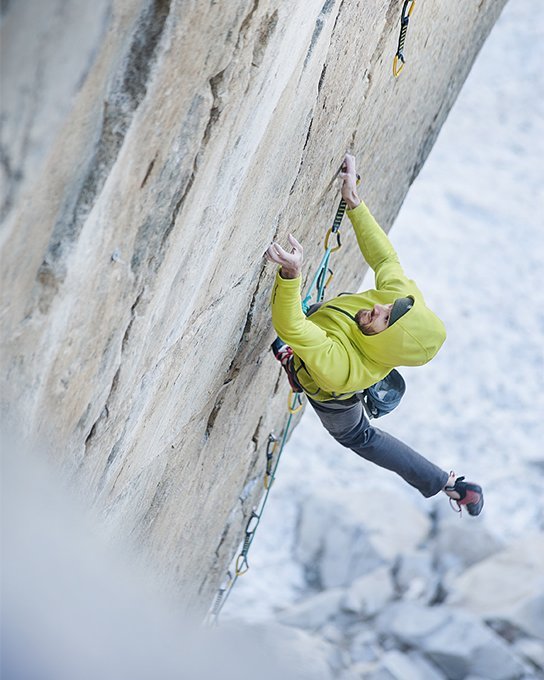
(319, 24)
(264, 34)
(216, 82)
(105, 412)
(244, 26)
(126, 94)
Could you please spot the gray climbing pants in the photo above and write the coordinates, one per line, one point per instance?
(346, 421)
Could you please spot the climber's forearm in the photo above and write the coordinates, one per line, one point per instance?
(287, 311)
(373, 241)
(288, 319)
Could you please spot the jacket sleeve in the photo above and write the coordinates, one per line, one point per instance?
(377, 249)
(325, 358)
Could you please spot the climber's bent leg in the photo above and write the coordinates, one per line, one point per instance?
(346, 421)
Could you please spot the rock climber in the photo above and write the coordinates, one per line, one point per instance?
(349, 343)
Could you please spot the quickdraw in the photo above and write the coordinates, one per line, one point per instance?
(407, 10)
(320, 280)
(220, 598)
(294, 402)
(242, 564)
(270, 451)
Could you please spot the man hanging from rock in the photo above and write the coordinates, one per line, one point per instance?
(353, 341)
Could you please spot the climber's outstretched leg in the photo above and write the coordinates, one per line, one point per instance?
(346, 421)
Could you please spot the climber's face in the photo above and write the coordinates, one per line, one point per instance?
(375, 320)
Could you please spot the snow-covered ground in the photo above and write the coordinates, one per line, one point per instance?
(471, 233)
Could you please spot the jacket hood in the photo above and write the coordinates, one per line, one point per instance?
(412, 340)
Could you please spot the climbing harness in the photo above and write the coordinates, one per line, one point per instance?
(275, 445)
(398, 61)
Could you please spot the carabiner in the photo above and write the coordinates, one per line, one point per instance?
(407, 10)
(292, 404)
(396, 69)
(241, 567)
(338, 241)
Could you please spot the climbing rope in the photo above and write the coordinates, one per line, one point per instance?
(294, 405)
(398, 61)
(241, 564)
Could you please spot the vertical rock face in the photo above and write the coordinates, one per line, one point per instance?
(151, 149)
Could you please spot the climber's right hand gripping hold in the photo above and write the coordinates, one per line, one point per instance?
(348, 175)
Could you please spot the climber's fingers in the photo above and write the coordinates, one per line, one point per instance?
(275, 253)
(297, 247)
(348, 165)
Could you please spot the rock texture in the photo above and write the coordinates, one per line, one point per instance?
(151, 149)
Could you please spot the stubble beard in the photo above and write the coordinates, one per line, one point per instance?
(364, 327)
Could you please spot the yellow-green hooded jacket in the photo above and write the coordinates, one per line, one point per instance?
(333, 358)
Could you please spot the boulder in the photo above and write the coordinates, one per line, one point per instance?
(397, 666)
(463, 645)
(341, 537)
(410, 622)
(457, 642)
(364, 647)
(368, 594)
(313, 612)
(508, 586)
(458, 546)
(532, 650)
(415, 576)
(427, 670)
(332, 633)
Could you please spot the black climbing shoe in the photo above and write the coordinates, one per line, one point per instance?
(470, 495)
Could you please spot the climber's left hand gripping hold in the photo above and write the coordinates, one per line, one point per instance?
(290, 262)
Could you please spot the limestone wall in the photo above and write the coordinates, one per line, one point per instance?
(150, 152)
